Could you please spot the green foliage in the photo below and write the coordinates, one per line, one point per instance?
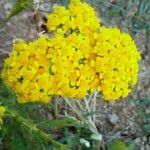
(18, 7)
(87, 114)
(16, 137)
(117, 145)
(70, 139)
(80, 138)
(29, 123)
(21, 124)
(27, 130)
(120, 145)
(130, 145)
(59, 123)
(7, 96)
(12, 138)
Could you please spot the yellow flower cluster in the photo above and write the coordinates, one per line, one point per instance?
(81, 57)
(2, 111)
(79, 17)
(116, 63)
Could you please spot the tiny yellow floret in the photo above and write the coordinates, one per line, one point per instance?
(2, 111)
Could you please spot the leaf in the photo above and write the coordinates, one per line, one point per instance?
(85, 142)
(117, 145)
(131, 146)
(70, 139)
(7, 96)
(143, 7)
(53, 109)
(18, 7)
(17, 143)
(92, 113)
(97, 137)
(59, 123)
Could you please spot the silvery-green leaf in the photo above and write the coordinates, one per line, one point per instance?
(85, 142)
(97, 137)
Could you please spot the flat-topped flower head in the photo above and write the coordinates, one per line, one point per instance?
(78, 59)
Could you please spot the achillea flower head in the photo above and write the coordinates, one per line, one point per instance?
(79, 17)
(80, 58)
(2, 111)
(26, 70)
(116, 63)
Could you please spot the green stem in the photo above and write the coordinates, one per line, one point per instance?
(33, 128)
(3, 23)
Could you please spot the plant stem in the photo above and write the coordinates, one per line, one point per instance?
(89, 106)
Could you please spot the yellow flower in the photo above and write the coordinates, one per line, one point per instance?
(26, 71)
(2, 111)
(80, 17)
(116, 62)
(79, 58)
